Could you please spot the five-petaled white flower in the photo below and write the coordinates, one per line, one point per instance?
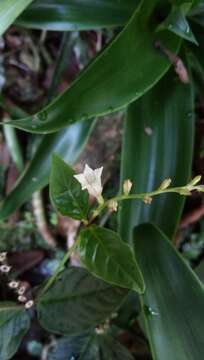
(91, 180)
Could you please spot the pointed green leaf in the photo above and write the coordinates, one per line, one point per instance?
(178, 23)
(123, 72)
(66, 192)
(158, 144)
(106, 256)
(14, 323)
(173, 300)
(9, 11)
(77, 15)
(77, 302)
(68, 144)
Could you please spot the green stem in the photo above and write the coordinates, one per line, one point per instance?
(140, 196)
(60, 268)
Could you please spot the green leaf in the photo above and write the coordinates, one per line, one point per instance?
(77, 302)
(14, 323)
(9, 11)
(66, 193)
(77, 15)
(106, 256)
(158, 144)
(177, 22)
(68, 144)
(174, 298)
(89, 346)
(123, 72)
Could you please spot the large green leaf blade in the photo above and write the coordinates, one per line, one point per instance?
(9, 11)
(72, 15)
(131, 59)
(66, 193)
(85, 300)
(158, 144)
(174, 298)
(68, 144)
(14, 323)
(106, 256)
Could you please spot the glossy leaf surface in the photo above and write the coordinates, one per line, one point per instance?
(173, 301)
(66, 192)
(9, 11)
(77, 15)
(89, 346)
(77, 301)
(177, 22)
(158, 144)
(14, 323)
(68, 144)
(123, 72)
(106, 256)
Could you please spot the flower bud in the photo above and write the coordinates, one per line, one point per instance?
(165, 184)
(113, 205)
(147, 200)
(127, 186)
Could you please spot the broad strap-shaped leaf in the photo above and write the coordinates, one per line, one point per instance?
(123, 72)
(14, 323)
(173, 300)
(89, 346)
(77, 302)
(158, 144)
(72, 15)
(106, 256)
(68, 144)
(66, 192)
(9, 11)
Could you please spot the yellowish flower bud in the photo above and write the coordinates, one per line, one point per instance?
(113, 205)
(147, 200)
(195, 180)
(165, 184)
(127, 186)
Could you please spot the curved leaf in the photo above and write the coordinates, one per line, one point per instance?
(14, 323)
(158, 144)
(75, 15)
(174, 298)
(65, 191)
(85, 300)
(106, 256)
(68, 144)
(123, 72)
(9, 11)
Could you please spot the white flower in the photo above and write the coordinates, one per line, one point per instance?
(91, 180)
(29, 304)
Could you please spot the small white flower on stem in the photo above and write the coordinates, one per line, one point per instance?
(29, 304)
(21, 290)
(22, 299)
(91, 180)
(127, 186)
(5, 268)
(13, 284)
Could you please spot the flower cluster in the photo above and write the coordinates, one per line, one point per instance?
(17, 286)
